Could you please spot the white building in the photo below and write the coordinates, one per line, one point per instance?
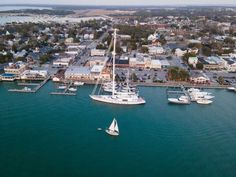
(179, 52)
(155, 50)
(193, 61)
(98, 52)
(63, 62)
(15, 68)
(34, 74)
(155, 64)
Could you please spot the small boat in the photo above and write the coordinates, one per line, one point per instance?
(113, 130)
(76, 83)
(204, 101)
(62, 87)
(72, 89)
(26, 89)
(180, 100)
(231, 88)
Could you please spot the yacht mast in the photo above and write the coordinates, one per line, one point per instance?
(113, 65)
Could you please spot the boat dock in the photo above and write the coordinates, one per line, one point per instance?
(34, 90)
(28, 84)
(65, 92)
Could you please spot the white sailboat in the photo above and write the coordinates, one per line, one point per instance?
(118, 97)
(113, 130)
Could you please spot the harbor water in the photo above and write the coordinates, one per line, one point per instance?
(57, 136)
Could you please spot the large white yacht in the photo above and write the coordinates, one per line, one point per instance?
(123, 97)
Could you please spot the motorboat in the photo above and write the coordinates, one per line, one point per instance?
(72, 89)
(181, 100)
(204, 101)
(231, 88)
(76, 83)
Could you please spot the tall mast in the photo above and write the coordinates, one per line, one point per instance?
(113, 65)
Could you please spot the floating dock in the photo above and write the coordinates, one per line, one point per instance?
(65, 92)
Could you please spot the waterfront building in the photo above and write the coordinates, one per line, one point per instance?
(98, 72)
(34, 75)
(15, 68)
(78, 73)
(199, 78)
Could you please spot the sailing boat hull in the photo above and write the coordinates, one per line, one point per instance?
(122, 101)
(112, 133)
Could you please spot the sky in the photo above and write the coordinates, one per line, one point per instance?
(123, 2)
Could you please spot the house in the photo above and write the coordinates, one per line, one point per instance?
(193, 61)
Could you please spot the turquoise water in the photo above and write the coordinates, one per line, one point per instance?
(56, 136)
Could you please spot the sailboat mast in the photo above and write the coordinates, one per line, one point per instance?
(113, 65)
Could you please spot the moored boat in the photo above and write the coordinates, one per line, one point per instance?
(204, 101)
(76, 83)
(180, 100)
(72, 89)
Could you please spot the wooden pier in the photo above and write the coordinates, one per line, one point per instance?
(34, 90)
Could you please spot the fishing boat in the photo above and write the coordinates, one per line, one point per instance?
(76, 83)
(204, 101)
(113, 130)
(118, 97)
(181, 100)
(72, 89)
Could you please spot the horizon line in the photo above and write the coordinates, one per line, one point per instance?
(116, 5)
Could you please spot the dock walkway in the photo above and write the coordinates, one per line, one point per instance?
(34, 90)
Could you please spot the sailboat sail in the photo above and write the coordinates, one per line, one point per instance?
(114, 126)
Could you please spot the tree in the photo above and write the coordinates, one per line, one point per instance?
(178, 74)
(206, 51)
(144, 49)
(134, 77)
(221, 80)
(187, 55)
(199, 66)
